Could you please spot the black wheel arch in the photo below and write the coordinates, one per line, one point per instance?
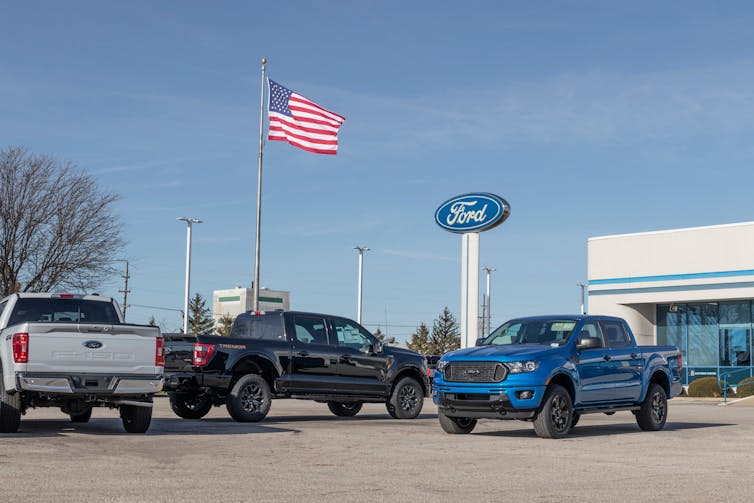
(255, 364)
(414, 373)
(660, 378)
(566, 382)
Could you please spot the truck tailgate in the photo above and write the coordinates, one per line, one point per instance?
(179, 353)
(90, 348)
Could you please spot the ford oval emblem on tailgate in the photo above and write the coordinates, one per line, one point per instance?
(93, 344)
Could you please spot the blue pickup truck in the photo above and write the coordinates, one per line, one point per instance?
(552, 369)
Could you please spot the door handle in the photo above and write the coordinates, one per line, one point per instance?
(634, 355)
(302, 353)
(607, 358)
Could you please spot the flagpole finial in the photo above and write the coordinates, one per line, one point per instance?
(264, 61)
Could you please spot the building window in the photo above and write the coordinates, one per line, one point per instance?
(735, 334)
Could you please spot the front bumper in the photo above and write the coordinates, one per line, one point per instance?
(505, 400)
(88, 384)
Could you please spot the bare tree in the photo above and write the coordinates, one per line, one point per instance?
(57, 228)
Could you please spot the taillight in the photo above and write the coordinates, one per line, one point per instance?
(202, 353)
(20, 344)
(680, 363)
(159, 355)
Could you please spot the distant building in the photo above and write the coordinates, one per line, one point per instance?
(235, 301)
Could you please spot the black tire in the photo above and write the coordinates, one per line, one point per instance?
(135, 419)
(391, 410)
(82, 417)
(10, 409)
(189, 406)
(344, 409)
(407, 399)
(654, 409)
(575, 420)
(555, 415)
(456, 425)
(250, 399)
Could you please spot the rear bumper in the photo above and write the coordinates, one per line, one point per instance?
(90, 384)
(192, 382)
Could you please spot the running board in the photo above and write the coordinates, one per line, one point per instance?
(607, 410)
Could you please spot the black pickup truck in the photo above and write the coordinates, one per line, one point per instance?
(290, 354)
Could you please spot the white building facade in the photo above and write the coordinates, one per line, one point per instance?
(692, 288)
(235, 301)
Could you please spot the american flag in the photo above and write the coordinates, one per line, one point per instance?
(301, 122)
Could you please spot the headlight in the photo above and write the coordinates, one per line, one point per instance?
(518, 367)
(441, 365)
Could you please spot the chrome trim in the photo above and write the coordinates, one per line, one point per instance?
(45, 384)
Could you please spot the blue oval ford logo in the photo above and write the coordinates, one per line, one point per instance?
(475, 212)
(93, 344)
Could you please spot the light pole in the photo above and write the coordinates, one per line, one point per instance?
(361, 250)
(486, 329)
(189, 223)
(583, 306)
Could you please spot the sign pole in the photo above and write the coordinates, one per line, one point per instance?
(255, 285)
(469, 289)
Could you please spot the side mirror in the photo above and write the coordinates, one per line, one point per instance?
(479, 342)
(588, 343)
(375, 348)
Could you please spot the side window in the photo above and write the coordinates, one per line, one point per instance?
(268, 327)
(310, 330)
(351, 335)
(615, 334)
(591, 329)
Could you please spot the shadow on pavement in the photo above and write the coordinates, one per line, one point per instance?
(40, 428)
(604, 429)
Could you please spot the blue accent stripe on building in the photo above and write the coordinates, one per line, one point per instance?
(673, 288)
(672, 277)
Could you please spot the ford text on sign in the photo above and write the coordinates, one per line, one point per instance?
(472, 212)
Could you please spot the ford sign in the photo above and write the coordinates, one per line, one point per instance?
(93, 344)
(472, 212)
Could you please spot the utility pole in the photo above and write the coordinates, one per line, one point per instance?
(488, 316)
(125, 291)
(583, 305)
(361, 250)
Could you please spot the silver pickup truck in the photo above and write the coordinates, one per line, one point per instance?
(75, 352)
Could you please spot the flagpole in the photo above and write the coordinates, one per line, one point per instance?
(255, 285)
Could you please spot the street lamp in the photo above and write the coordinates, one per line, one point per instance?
(488, 319)
(189, 223)
(361, 250)
(583, 288)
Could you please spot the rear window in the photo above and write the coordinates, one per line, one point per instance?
(63, 311)
(268, 327)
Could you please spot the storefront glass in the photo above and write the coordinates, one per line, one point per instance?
(715, 338)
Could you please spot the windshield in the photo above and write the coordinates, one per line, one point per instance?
(548, 332)
(63, 311)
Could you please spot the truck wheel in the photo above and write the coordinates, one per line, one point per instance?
(249, 400)
(407, 399)
(189, 406)
(456, 425)
(344, 409)
(135, 419)
(654, 409)
(555, 416)
(82, 417)
(575, 420)
(10, 409)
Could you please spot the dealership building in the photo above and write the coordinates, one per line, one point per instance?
(692, 288)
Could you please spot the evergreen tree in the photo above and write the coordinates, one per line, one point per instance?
(224, 324)
(200, 317)
(446, 335)
(152, 322)
(420, 340)
(378, 333)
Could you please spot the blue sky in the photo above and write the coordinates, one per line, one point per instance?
(590, 118)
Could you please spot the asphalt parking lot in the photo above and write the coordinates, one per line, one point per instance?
(303, 453)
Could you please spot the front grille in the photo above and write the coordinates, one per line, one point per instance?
(475, 372)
